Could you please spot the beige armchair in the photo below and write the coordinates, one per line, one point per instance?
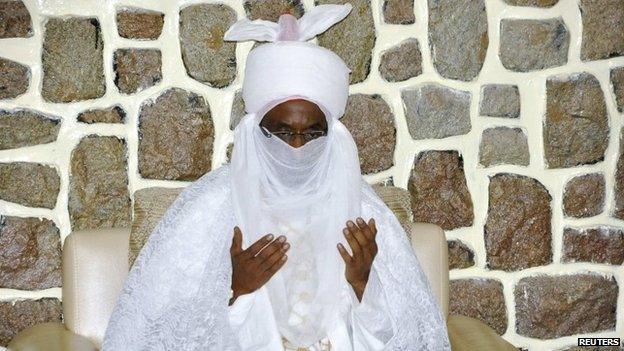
(95, 265)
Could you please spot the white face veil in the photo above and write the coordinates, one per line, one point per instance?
(305, 193)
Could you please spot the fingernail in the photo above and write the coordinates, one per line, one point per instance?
(286, 246)
(270, 237)
(360, 220)
(350, 224)
(281, 239)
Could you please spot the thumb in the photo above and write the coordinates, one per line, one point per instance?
(237, 241)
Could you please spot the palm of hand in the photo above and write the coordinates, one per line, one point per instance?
(361, 239)
(254, 266)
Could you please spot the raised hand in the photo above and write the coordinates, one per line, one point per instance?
(361, 239)
(254, 266)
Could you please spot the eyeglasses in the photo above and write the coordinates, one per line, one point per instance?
(288, 136)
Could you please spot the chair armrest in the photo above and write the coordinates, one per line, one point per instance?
(51, 336)
(467, 334)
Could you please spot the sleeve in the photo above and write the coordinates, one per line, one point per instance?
(249, 318)
(372, 326)
(239, 310)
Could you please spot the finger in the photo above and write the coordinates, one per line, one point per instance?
(374, 247)
(345, 255)
(367, 229)
(276, 266)
(361, 239)
(259, 244)
(357, 234)
(268, 250)
(373, 225)
(364, 228)
(275, 257)
(237, 241)
(353, 243)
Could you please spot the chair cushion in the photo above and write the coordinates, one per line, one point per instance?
(50, 336)
(467, 334)
(150, 205)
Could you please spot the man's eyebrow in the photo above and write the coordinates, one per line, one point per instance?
(282, 125)
(316, 125)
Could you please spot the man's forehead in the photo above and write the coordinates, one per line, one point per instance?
(296, 111)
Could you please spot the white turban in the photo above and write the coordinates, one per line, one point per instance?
(289, 65)
(306, 193)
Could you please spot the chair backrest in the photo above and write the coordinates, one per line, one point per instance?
(429, 244)
(95, 266)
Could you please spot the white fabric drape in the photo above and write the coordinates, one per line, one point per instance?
(308, 194)
(364, 325)
(176, 294)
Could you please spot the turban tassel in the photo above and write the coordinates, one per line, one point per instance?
(288, 28)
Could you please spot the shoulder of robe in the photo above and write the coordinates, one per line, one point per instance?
(370, 196)
(211, 188)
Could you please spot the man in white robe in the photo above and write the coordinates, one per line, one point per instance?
(370, 325)
(177, 293)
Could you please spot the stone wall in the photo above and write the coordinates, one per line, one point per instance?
(503, 118)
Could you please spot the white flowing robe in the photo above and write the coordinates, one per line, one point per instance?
(363, 326)
(175, 296)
